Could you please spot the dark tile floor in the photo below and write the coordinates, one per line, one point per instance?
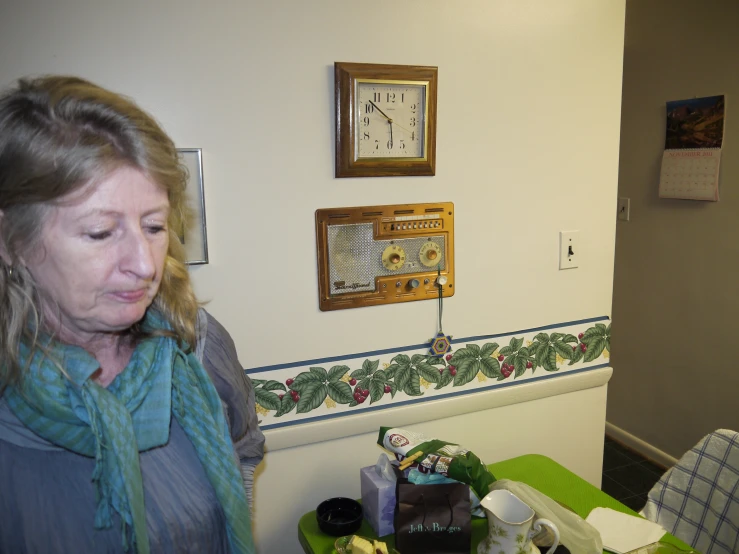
(628, 476)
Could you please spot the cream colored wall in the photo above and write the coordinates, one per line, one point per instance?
(528, 125)
(529, 108)
(675, 295)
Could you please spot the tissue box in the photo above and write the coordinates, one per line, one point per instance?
(378, 501)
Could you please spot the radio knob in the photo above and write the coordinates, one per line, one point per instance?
(394, 258)
(414, 283)
(441, 280)
(431, 254)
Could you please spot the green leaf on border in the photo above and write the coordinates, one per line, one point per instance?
(413, 384)
(428, 372)
(390, 371)
(563, 349)
(595, 349)
(516, 343)
(520, 366)
(340, 392)
(591, 332)
(488, 349)
(305, 379)
(267, 399)
(370, 366)
(576, 356)
(287, 405)
(490, 367)
(466, 371)
(320, 372)
(445, 377)
(401, 359)
(402, 376)
(461, 354)
(549, 360)
(569, 338)
(359, 374)
(311, 397)
(337, 372)
(377, 390)
(474, 349)
(505, 351)
(273, 385)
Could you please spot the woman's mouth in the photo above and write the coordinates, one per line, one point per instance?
(130, 295)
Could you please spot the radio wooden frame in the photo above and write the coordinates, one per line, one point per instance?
(390, 222)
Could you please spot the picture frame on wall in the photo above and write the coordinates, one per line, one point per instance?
(195, 237)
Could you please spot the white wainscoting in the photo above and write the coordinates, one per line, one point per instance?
(563, 418)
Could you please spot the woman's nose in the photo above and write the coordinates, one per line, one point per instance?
(138, 256)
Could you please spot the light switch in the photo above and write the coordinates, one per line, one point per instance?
(569, 249)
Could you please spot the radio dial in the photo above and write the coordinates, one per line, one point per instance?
(430, 254)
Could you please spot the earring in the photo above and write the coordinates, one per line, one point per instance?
(10, 271)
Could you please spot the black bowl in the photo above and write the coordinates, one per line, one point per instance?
(339, 516)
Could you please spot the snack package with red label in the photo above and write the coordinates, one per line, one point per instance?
(437, 456)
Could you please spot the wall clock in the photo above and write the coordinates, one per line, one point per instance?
(385, 119)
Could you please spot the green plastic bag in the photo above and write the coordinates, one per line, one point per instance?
(438, 456)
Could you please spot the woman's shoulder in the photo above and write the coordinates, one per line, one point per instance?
(217, 352)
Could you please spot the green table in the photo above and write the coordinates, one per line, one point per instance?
(540, 472)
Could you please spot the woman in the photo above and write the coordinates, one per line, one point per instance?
(126, 421)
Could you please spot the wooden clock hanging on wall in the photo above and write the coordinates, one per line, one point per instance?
(385, 119)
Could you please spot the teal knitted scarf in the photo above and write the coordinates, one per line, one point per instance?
(132, 415)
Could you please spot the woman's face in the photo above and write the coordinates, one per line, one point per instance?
(102, 255)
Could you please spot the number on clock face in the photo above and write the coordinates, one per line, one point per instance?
(390, 120)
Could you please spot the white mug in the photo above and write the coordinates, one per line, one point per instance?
(511, 526)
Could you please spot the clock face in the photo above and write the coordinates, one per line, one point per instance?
(391, 120)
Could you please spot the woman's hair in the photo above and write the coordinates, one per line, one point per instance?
(57, 135)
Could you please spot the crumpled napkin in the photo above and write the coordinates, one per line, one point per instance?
(621, 532)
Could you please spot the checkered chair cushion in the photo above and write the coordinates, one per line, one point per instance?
(697, 500)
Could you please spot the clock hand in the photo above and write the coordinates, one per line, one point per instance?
(388, 118)
(391, 132)
(379, 110)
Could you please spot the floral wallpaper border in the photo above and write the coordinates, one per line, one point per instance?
(295, 393)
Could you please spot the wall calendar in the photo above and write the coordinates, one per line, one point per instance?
(692, 156)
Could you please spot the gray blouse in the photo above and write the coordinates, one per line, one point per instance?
(47, 499)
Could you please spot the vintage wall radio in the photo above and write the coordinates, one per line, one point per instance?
(373, 255)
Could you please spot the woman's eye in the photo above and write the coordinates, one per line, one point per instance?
(102, 235)
(155, 229)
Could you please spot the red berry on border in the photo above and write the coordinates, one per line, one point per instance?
(574, 348)
(282, 396)
(289, 382)
(296, 397)
(452, 370)
(529, 365)
(583, 347)
(388, 388)
(581, 335)
(501, 358)
(361, 399)
(448, 357)
(365, 392)
(352, 382)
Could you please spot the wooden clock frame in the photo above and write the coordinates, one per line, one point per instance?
(348, 164)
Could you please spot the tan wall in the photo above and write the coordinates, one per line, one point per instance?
(676, 291)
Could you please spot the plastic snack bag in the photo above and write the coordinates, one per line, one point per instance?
(438, 456)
